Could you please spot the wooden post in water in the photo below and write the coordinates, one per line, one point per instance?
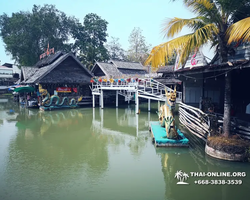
(93, 99)
(137, 124)
(137, 102)
(116, 99)
(102, 103)
(148, 105)
(116, 114)
(129, 94)
(100, 100)
(101, 116)
(93, 114)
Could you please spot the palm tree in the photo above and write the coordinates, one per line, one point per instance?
(211, 25)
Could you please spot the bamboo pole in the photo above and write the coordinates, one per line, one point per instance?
(195, 120)
(181, 120)
(243, 128)
(243, 132)
(193, 109)
(195, 127)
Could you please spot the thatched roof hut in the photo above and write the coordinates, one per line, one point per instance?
(56, 69)
(118, 68)
(105, 69)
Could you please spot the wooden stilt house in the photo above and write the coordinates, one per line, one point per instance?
(61, 74)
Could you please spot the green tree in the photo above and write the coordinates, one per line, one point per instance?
(27, 34)
(213, 18)
(138, 50)
(90, 38)
(115, 50)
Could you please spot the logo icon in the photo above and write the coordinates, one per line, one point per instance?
(181, 176)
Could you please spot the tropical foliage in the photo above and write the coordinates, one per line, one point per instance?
(27, 34)
(90, 38)
(212, 21)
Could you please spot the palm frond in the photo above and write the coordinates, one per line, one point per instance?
(198, 5)
(205, 8)
(183, 45)
(239, 31)
(175, 25)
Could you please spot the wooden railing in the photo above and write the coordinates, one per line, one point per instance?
(195, 120)
(239, 127)
(203, 124)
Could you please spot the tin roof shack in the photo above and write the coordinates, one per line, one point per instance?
(118, 68)
(57, 71)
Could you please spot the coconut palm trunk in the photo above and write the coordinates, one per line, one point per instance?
(223, 51)
(227, 105)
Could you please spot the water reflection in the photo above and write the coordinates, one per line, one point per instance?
(66, 147)
(99, 154)
(124, 119)
(125, 126)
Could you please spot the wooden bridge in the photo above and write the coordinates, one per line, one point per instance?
(131, 89)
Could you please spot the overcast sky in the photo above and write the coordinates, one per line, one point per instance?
(122, 16)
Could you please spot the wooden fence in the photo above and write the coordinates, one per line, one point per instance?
(239, 127)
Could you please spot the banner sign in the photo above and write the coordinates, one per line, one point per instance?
(63, 89)
(75, 90)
